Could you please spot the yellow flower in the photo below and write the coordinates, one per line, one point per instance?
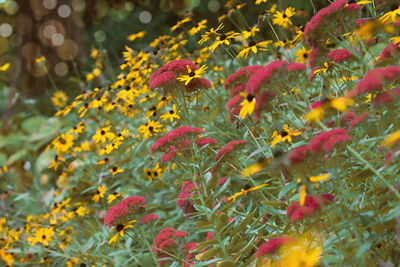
(319, 178)
(283, 18)
(100, 193)
(396, 40)
(171, 114)
(63, 143)
(260, 1)
(113, 197)
(103, 134)
(315, 114)
(255, 168)
(96, 72)
(302, 253)
(390, 16)
(200, 25)
(42, 235)
(253, 47)
(135, 36)
(156, 172)
(222, 39)
(59, 99)
(251, 32)
(303, 192)
(40, 59)
(302, 54)
(120, 228)
(390, 140)
(82, 211)
(245, 191)
(207, 35)
(55, 162)
(180, 23)
(248, 105)
(5, 67)
(115, 170)
(187, 78)
(341, 103)
(286, 134)
(149, 128)
(323, 69)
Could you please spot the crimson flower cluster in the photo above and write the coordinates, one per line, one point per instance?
(312, 204)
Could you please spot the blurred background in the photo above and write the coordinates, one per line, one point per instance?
(51, 45)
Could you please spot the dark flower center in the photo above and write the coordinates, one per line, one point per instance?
(102, 132)
(97, 192)
(149, 173)
(114, 169)
(252, 43)
(192, 74)
(222, 37)
(152, 108)
(43, 237)
(284, 16)
(82, 265)
(171, 112)
(164, 98)
(155, 173)
(247, 187)
(151, 128)
(250, 97)
(62, 140)
(305, 55)
(284, 133)
(120, 227)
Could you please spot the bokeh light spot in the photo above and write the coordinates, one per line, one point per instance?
(64, 11)
(5, 30)
(145, 17)
(61, 68)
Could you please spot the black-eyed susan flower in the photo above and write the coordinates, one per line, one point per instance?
(102, 134)
(63, 143)
(390, 16)
(171, 114)
(201, 25)
(149, 128)
(82, 211)
(115, 170)
(222, 39)
(56, 162)
(207, 35)
(135, 36)
(163, 101)
(42, 235)
(253, 47)
(248, 104)
(120, 228)
(244, 191)
(283, 18)
(103, 161)
(325, 68)
(154, 173)
(250, 32)
(113, 197)
(302, 54)
(192, 74)
(59, 98)
(100, 193)
(285, 135)
(180, 23)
